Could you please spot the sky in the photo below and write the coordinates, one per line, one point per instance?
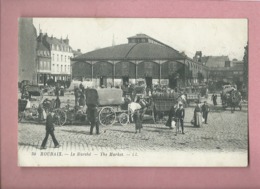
(214, 37)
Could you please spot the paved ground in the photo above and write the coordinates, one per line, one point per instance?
(224, 132)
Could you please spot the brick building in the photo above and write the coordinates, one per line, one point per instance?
(142, 57)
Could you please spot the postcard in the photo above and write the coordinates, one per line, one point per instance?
(133, 92)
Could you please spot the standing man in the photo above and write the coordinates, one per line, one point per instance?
(57, 102)
(214, 98)
(92, 102)
(50, 131)
(205, 111)
(180, 114)
(76, 94)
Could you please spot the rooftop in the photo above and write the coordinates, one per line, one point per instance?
(135, 51)
(215, 61)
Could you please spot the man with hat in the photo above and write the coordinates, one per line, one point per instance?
(205, 111)
(50, 131)
(180, 114)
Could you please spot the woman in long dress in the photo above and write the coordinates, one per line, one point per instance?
(197, 116)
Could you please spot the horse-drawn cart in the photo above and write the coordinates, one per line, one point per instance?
(109, 106)
(110, 102)
(163, 104)
(231, 97)
(193, 97)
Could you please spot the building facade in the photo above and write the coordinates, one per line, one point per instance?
(222, 70)
(141, 58)
(43, 61)
(27, 51)
(55, 55)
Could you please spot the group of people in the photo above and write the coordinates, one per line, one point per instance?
(91, 100)
(200, 114)
(89, 97)
(177, 114)
(79, 93)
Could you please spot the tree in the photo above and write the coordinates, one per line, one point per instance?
(245, 60)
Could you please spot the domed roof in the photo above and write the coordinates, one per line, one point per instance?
(132, 51)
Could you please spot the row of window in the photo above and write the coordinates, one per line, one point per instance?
(61, 68)
(61, 48)
(223, 73)
(44, 65)
(43, 53)
(61, 58)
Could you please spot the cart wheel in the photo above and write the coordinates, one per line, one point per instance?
(20, 116)
(123, 119)
(107, 116)
(60, 117)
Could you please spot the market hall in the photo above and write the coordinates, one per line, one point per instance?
(143, 57)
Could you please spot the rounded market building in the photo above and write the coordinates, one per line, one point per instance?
(141, 58)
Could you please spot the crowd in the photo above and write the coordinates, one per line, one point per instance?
(89, 98)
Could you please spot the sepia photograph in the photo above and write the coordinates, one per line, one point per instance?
(132, 92)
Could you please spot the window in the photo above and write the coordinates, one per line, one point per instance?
(65, 68)
(61, 58)
(57, 57)
(40, 62)
(57, 68)
(65, 58)
(53, 65)
(61, 68)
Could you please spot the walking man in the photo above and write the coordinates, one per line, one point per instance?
(205, 111)
(50, 131)
(180, 114)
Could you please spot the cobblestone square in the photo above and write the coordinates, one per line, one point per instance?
(225, 132)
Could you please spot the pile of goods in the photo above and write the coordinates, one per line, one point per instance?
(164, 94)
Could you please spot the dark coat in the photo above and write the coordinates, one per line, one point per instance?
(49, 123)
(172, 114)
(138, 119)
(197, 109)
(57, 103)
(205, 108)
(180, 113)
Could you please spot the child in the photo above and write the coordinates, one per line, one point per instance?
(138, 120)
